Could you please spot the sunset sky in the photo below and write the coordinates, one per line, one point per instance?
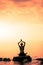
(21, 19)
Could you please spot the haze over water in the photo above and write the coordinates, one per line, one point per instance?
(16, 63)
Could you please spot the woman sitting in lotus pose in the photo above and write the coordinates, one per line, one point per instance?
(21, 45)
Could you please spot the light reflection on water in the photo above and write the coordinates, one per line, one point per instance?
(34, 62)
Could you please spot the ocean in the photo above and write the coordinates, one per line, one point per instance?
(34, 62)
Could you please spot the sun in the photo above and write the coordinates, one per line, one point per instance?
(11, 31)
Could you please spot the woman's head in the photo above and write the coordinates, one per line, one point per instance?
(21, 44)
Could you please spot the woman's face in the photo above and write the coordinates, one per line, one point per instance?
(21, 44)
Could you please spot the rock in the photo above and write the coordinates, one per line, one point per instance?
(1, 59)
(22, 58)
(39, 59)
(6, 59)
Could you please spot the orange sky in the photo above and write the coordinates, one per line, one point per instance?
(21, 19)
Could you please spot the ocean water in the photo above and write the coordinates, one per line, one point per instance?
(34, 62)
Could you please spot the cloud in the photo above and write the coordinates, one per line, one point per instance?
(21, 0)
(20, 3)
(24, 3)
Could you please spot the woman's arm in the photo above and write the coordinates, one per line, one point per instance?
(24, 43)
(18, 44)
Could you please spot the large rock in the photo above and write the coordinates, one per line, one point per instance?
(22, 58)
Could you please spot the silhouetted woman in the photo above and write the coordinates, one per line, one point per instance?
(21, 45)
